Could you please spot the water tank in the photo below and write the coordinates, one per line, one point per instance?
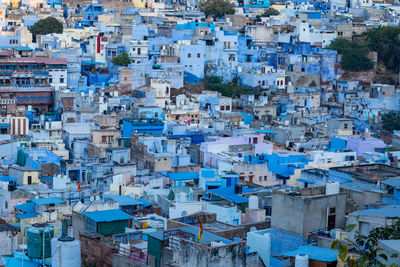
(253, 202)
(66, 252)
(301, 260)
(238, 189)
(12, 186)
(39, 240)
(332, 188)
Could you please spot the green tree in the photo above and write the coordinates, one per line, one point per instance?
(391, 121)
(216, 8)
(232, 89)
(354, 54)
(386, 42)
(46, 26)
(270, 12)
(122, 60)
(366, 247)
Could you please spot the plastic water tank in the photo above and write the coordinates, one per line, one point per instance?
(301, 260)
(253, 202)
(39, 240)
(66, 252)
(332, 188)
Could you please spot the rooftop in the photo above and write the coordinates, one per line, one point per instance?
(47, 201)
(180, 176)
(370, 172)
(314, 253)
(108, 215)
(391, 211)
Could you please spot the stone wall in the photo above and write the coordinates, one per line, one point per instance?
(96, 250)
(190, 254)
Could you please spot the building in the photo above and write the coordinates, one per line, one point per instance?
(315, 208)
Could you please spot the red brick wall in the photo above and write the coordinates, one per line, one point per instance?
(95, 250)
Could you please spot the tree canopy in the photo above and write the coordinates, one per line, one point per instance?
(270, 12)
(354, 54)
(385, 41)
(46, 26)
(391, 121)
(366, 247)
(232, 89)
(122, 60)
(216, 8)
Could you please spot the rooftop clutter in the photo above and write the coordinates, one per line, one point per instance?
(199, 133)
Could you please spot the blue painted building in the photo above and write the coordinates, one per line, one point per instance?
(282, 165)
(193, 59)
(147, 126)
(150, 113)
(92, 11)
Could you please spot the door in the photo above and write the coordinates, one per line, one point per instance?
(29, 179)
(331, 218)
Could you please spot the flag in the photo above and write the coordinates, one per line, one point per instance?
(201, 231)
(79, 186)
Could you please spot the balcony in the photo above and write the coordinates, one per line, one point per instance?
(8, 101)
(26, 88)
(231, 48)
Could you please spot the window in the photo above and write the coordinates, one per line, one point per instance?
(104, 139)
(222, 107)
(255, 140)
(6, 204)
(29, 179)
(345, 126)
(198, 55)
(189, 55)
(50, 80)
(61, 80)
(228, 108)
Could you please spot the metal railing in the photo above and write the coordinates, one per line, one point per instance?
(133, 254)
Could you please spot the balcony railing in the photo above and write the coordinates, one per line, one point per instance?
(26, 88)
(8, 101)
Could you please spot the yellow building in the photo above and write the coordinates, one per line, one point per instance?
(15, 3)
(24, 175)
(139, 3)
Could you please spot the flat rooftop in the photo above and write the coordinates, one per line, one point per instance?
(370, 172)
(215, 226)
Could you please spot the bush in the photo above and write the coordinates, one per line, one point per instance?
(354, 54)
(232, 89)
(122, 60)
(270, 12)
(216, 8)
(391, 121)
(46, 26)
